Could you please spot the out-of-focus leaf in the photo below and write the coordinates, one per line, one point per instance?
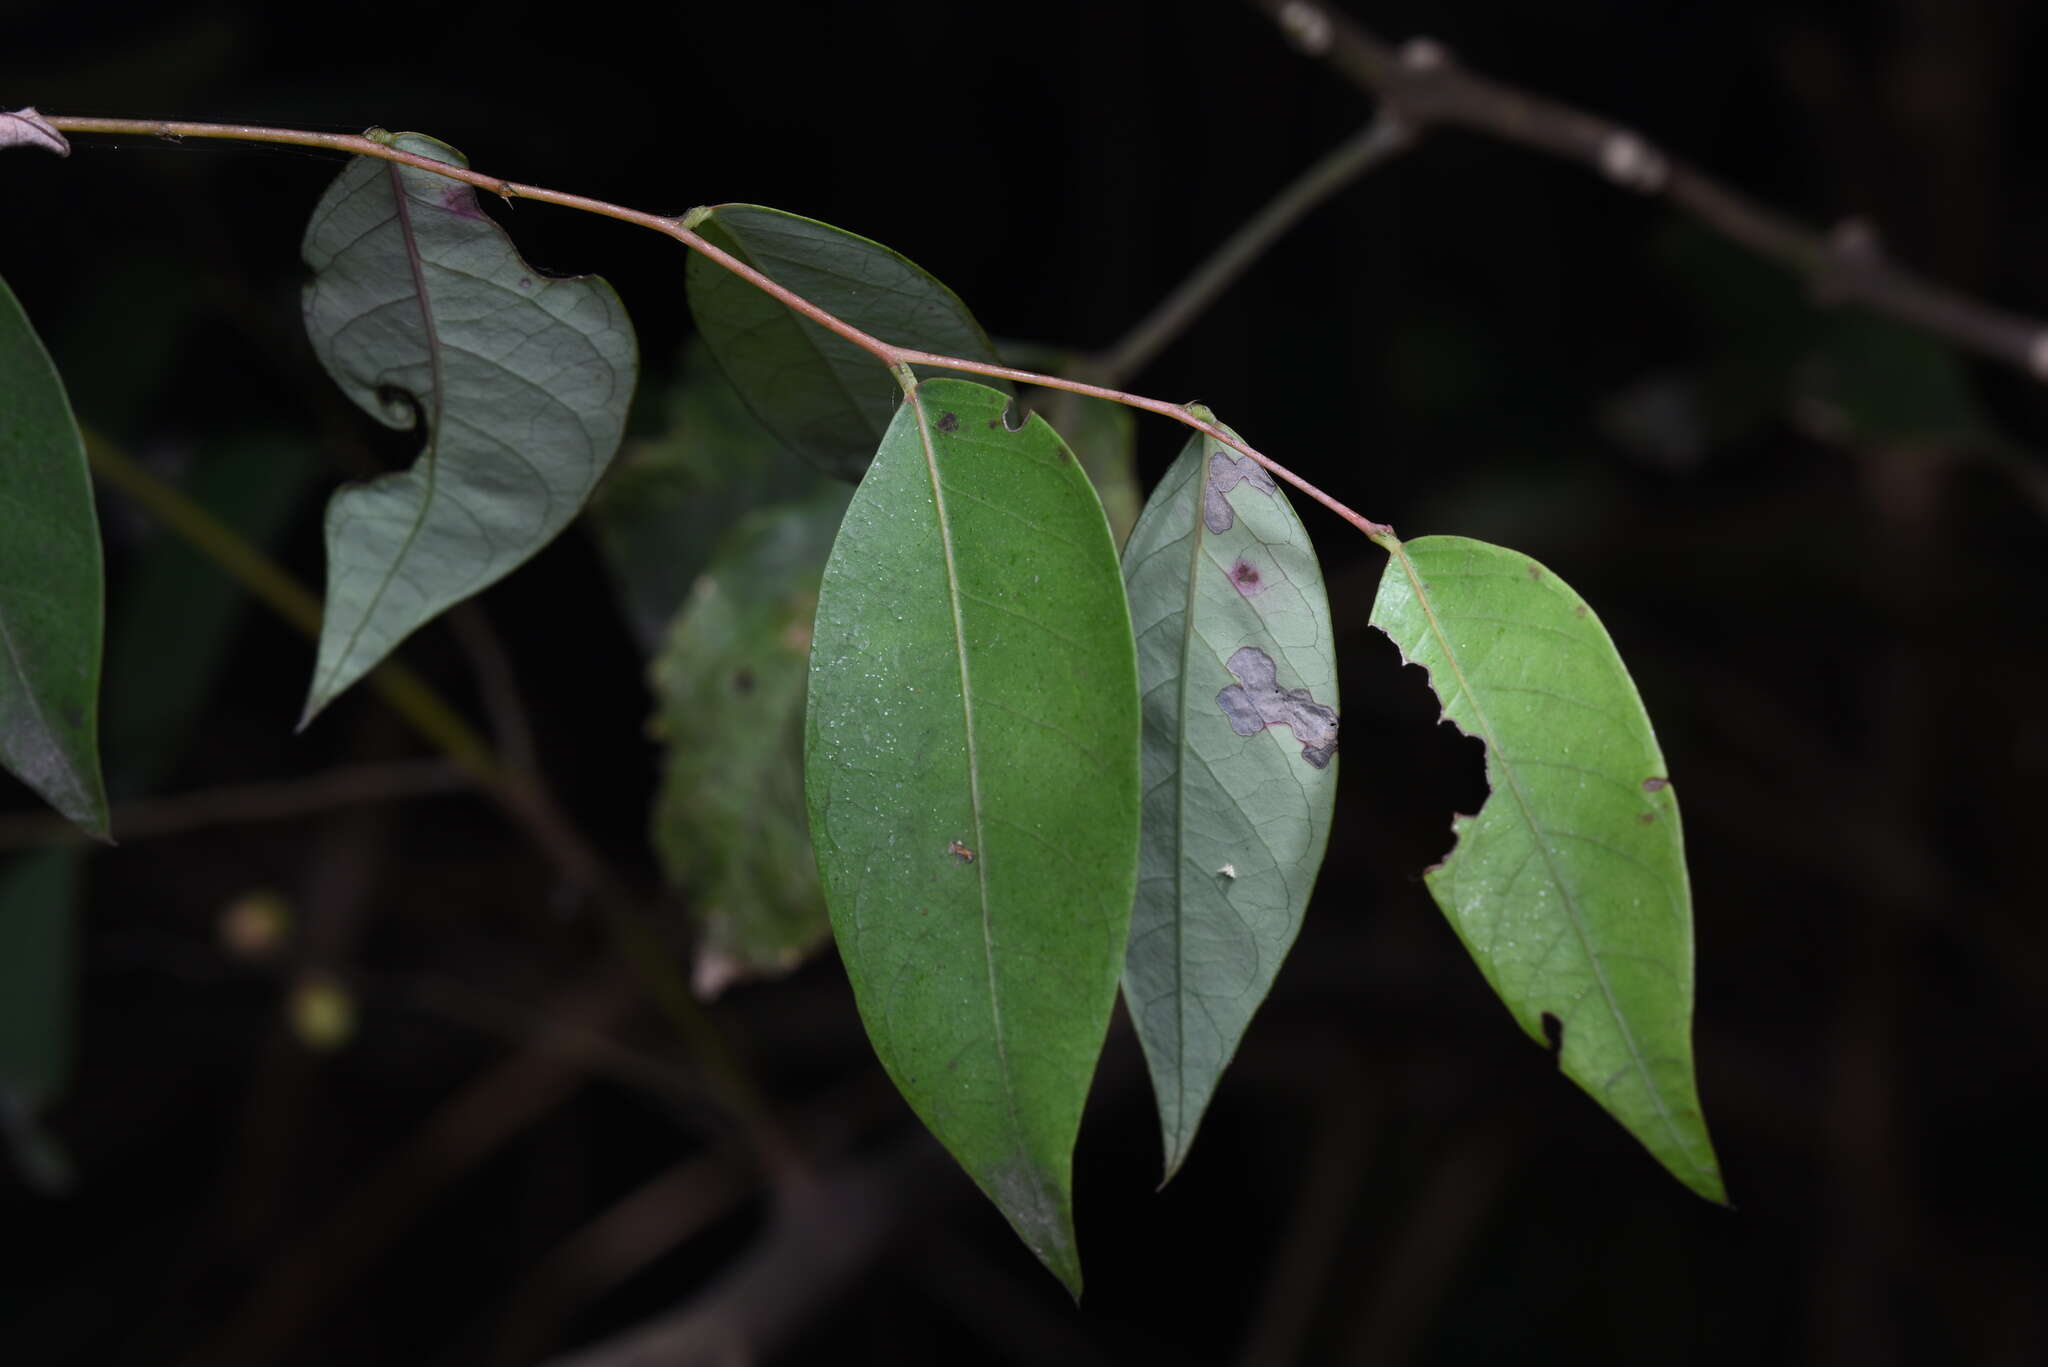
(662, 510)
(1569, 887)
(1105, 437)
(176, 610)
(36, 934)
(826, 397)
(425, 315)
(729, 823)
(51, 604)
(1892, 383)
(972, 774)
(1871, 379)
(1238, 671)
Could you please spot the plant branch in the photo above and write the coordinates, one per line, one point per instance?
(1421, 84)
(519, 791)
(680, 228)
(1379, 141)
(241, 804)
(406, 692)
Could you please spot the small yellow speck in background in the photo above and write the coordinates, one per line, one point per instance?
(322, 1013)
(255, 925)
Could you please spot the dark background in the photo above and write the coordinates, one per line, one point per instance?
(1800, 528)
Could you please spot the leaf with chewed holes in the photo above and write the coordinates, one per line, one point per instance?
(1569, 886)
(425, 315)
(729, 823)
(1238, 670)
(971, 767)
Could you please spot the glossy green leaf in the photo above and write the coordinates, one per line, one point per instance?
(1103, 435)
(1569, 886)
(674, 493)
(972, 774)
(51, 600)
(424, 314)
(824, 396)
(729, 823)
(1238, 669)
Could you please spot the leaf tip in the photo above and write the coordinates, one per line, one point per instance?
(24, 127)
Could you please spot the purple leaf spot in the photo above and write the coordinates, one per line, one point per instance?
(1256, 701)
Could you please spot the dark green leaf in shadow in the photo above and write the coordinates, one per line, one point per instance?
(972, 774)
(51, 599)
(824, 396)
(670, 497)
(176, 610)
(1569, 887)
(1893, 383)
(729, 824)
(1238, 670)
(37, 891)
(424, 314)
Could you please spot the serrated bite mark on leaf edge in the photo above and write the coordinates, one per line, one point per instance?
(1707, 1177)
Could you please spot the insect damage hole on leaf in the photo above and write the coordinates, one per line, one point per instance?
(1557, 887)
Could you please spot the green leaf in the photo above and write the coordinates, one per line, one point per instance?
(972, 772)
(51, 599)
(669, 499)
(1239, 675)
(1102, 434)
(1569, 886)
(421, 310)
(824, 396)
(729, 823)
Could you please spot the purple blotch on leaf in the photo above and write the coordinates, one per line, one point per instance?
(1256, 701)
(1225, 473)
(948, 422)
(460, 200)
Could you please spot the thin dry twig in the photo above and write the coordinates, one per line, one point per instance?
(1424, 85)
(246, 803)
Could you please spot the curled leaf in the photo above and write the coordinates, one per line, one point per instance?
(425, 315)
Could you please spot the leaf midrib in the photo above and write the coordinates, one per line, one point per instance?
(953, 599)
(1199, 481)
(428, 459)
